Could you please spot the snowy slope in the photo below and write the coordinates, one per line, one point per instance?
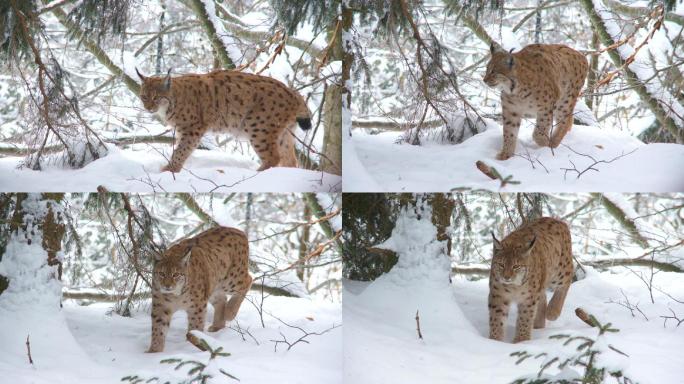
(440, 167)
(138, 170)
(87, 344)
(381, 343)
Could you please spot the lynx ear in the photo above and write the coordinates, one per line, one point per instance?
(497, 243)
(495, 47)
(139, 74)
(157, 255)
(167, 81)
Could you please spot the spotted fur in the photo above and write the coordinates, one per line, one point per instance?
(542, 81)
(258, 108)
(197, 270)
(535, 257)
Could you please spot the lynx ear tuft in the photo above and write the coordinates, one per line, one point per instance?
(510, 62)
(140, 74)
(497, 243)
(495, 47)
(167, 81)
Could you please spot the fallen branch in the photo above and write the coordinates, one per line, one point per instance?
(493, 174)
(634, 262)
(151, 139)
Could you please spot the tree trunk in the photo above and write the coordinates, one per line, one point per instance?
(37, 217)
(332, 110)
(442, 208)
(332, 137)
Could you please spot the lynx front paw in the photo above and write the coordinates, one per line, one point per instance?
(520, 338)
(503, 155)
(171, 168)
(154, 350)
(214, 328)
(541, 140)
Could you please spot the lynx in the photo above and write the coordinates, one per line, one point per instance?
(536, 256)
(196, 270)
(542, 81)
(255, 107)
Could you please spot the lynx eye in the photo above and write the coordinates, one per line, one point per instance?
(176, 275)
(143, 98)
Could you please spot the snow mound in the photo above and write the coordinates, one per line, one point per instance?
(619, 161)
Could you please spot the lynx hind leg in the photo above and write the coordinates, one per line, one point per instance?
(286, 148)
(540, 317)
(556, 304)
(564, 117)
(237, 296)
(266, 148)
(498, 313)
(218, 301)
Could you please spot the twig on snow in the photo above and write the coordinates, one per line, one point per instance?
(28, 349)
(420, 335)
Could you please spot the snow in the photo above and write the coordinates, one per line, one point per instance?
(641, 66)
(138, 170)
(89, 344)
(377, 163)
(381, 343)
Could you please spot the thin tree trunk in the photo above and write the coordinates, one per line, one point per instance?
(623, 219)
(209, 28)
(95, 49)
(593, 70)
(318, 211)
(304, 245)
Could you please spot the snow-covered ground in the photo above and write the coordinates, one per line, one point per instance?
(435, 167)
(381, 343)
(88, 344)
(138, 170)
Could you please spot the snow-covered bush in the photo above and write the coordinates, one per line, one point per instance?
(580, 359)
(199, 372)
